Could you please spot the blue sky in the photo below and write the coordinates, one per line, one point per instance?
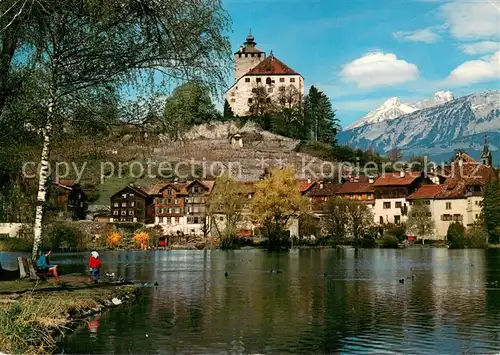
(361, 52)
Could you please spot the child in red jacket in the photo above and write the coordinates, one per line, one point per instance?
(94, 265)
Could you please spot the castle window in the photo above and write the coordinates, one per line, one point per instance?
(246, 55)
(268, 81)
(258, 80)
(247, 80)
(251, 55)
(250, 100)
(448, 205)
(258, 55)
(233, 100)
(269, 89)
(292, 80)
(233, 93)
(282, 80)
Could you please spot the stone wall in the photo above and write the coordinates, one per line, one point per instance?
(10, 229)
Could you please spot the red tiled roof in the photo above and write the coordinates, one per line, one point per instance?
(68, 183)
(352, 187)
(272, 66)
(394, 179)
(329, 189)
(427, 192)
(305, 185)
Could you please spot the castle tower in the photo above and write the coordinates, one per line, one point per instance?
(486, 158)
(247, 57)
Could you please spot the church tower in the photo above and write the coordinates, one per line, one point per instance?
(247, 57)
(486, 158)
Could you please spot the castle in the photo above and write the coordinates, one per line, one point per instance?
(262, 78)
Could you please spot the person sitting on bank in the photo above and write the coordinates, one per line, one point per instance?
(94, 265)
(43, 264)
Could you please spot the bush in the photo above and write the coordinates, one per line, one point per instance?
(390, 241)
(456, 236)
(113, 239)
(141, 239)
(396, 230)
(477, 237)
(62, 235)
(16, 244)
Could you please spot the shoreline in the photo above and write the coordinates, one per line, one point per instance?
(35, 319)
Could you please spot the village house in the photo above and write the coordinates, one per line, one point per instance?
(71, 195)
(391, 191)
(132, 204)
(360, 189)
(320, 193)
(458, 194)
(254, 71)
(180, 207)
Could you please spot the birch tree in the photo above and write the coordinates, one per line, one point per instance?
(86, 44)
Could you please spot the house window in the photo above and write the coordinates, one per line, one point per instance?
(477, 216)
(165, 220)
(292, 80)
(196, 189)
(124, 213)
(398, 204)
(131, 212)
(427, 202)
(233, 100)
(282, 88)
(381, 220)
(250, 100)
(177, 210)
(131, 195)
(132, 204)
(269, 90)
(268, 81)
(397, 219)
(258, 80)
(448, 205)
(446, 217)
(282, 80)
(251, 55)
(268, 99)
(457, 217)
(116, 212)
(387, 205)
(247, 80)
(246, 55)
(124, 204)
(116, 204)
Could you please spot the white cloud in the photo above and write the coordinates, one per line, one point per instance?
(473, 19)
(426, 35)
(474, 71)
(480, 47)
(378, 69)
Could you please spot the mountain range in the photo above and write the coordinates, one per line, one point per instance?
(435, 127)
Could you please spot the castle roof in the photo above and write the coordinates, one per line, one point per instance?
(272, 66)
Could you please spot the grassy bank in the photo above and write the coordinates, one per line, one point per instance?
(34, 316)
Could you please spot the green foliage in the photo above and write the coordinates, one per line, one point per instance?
(16, 244)
(477, 237)
(420, 220)
(396, 230)
(319, 118)
(389, 241)
(66, 235)
(491, 210)
(190, 104)
(309, 225)
(456, 236)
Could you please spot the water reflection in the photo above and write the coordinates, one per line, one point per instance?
(324, 301)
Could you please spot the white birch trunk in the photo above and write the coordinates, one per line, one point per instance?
(43, 177)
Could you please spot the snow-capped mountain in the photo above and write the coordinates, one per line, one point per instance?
(393, 108)
(439, 98)
(436, 131)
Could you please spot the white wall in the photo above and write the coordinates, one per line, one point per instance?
(438, 208)
(10, 228)
(238, 94)
(242, 65)
(389, 213)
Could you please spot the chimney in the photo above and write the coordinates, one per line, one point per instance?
(321, 186)
(309, 180)
(371, 179)
(402, 174)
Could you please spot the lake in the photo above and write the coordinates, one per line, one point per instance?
(450, 305)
